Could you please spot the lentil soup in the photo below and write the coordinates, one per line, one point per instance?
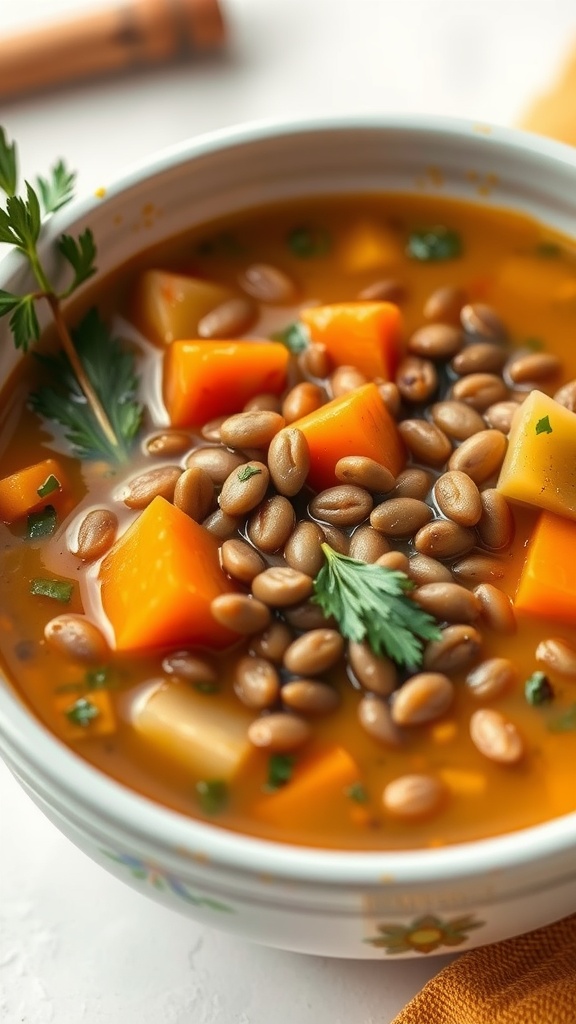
(386, 379)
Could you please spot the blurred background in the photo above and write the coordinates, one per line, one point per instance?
(76, 946)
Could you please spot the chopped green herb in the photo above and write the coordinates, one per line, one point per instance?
(212, 794)
(357, 793)
(543, 426)
(280, 769)
(58, 590)
(433, 245)
(206, 686)
(534, 344)
(98, 679)
(41, 524)
(369, 602)
(82, 712)
(566, 722)
(538, 689)
(50, 484)
(224, 244)
(245, 472)
(548, 250)
(295, 337)
(308, 240)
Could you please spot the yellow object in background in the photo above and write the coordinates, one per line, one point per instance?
(554, 113)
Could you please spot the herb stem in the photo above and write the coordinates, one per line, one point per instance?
(79, 372)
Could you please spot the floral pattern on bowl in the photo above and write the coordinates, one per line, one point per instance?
(424, 935)
(161, 880)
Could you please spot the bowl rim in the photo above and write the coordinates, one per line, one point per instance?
(31, 748)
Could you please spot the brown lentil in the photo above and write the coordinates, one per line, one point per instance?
(400, 517)
(496, 737)
(480, 390)
(77, 638)
(395, 560)
(314, 653)
(388, 289)
(310, 697)
(436, 341)
(456, 419)
(269, 284)
(211, 430)
(367, 544)
(256, 683)
(303, 551)
(364, 472)
(254, 429)
(218, 463)
(391, 397)
(496, 608)
(566, 396)
(500, 415)
(336, 538)
(558, 656)
(448, 602)
(496, 525)
(221, 525)
(444, 304)
(444, 539)
(458, 647)
(273, 642)
(279, 733)
(96, 534)
(477, 567)
(168, 443)
(375, 718)
(194, 493)
(154, 483)
(377, 674)
(289, 461)
(425, 441)
(271, 524)
(345, 379)
(411, 797)
(422, 698)
(423, 569)
(480, 456)
(416, 379)
(343, 505)
(533, 367)
(491, 678)
(306, 616)
(228, 320)
(265, 402)
(244, 489)
(481, 357)
(240, 560)
(301, 400)
(314, 360)
(458, 498)
(412, 483)
(240, 613)
(190, 668)
(280, 586)
(483, 321)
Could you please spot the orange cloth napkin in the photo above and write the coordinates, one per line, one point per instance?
(530, 979)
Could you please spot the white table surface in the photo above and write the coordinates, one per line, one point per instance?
(76, 945)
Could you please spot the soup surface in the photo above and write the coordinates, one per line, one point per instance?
(424, 695)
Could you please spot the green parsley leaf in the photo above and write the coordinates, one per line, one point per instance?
(280, 769)
(41, 524)
(24, 323)
(295, 337)
(434, 244)
(543, 426)
(8, 165)
(58, 189)
(212, 794)
(98, 679)
(80, 254)
(82, 712)
(110, 369)
(307, 241)
(538, 689)
(566, 722)
(245, 472)
(534, 344)
(357, 793)
(58, 590)
(369, 603)
(50, 484)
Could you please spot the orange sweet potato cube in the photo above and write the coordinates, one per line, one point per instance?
(158, 581)
(362, 334)
(31, 489)
(548, 582)
(316, 781)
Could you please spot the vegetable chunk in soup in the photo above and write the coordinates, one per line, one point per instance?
(322, 588)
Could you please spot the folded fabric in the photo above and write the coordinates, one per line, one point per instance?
(530, 979)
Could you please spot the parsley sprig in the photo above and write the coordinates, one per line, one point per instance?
(93, 380)
(370, 603)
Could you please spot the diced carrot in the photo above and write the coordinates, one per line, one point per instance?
(158, 581)
(316, 782)
(205, 379)
(99, 716)
(547, 585)
(32, 489)
(357, 423)
(538, 467)
(362, 334)
(368, 246)
(167, 307)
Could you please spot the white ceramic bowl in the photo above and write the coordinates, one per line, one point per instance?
(344, 904)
